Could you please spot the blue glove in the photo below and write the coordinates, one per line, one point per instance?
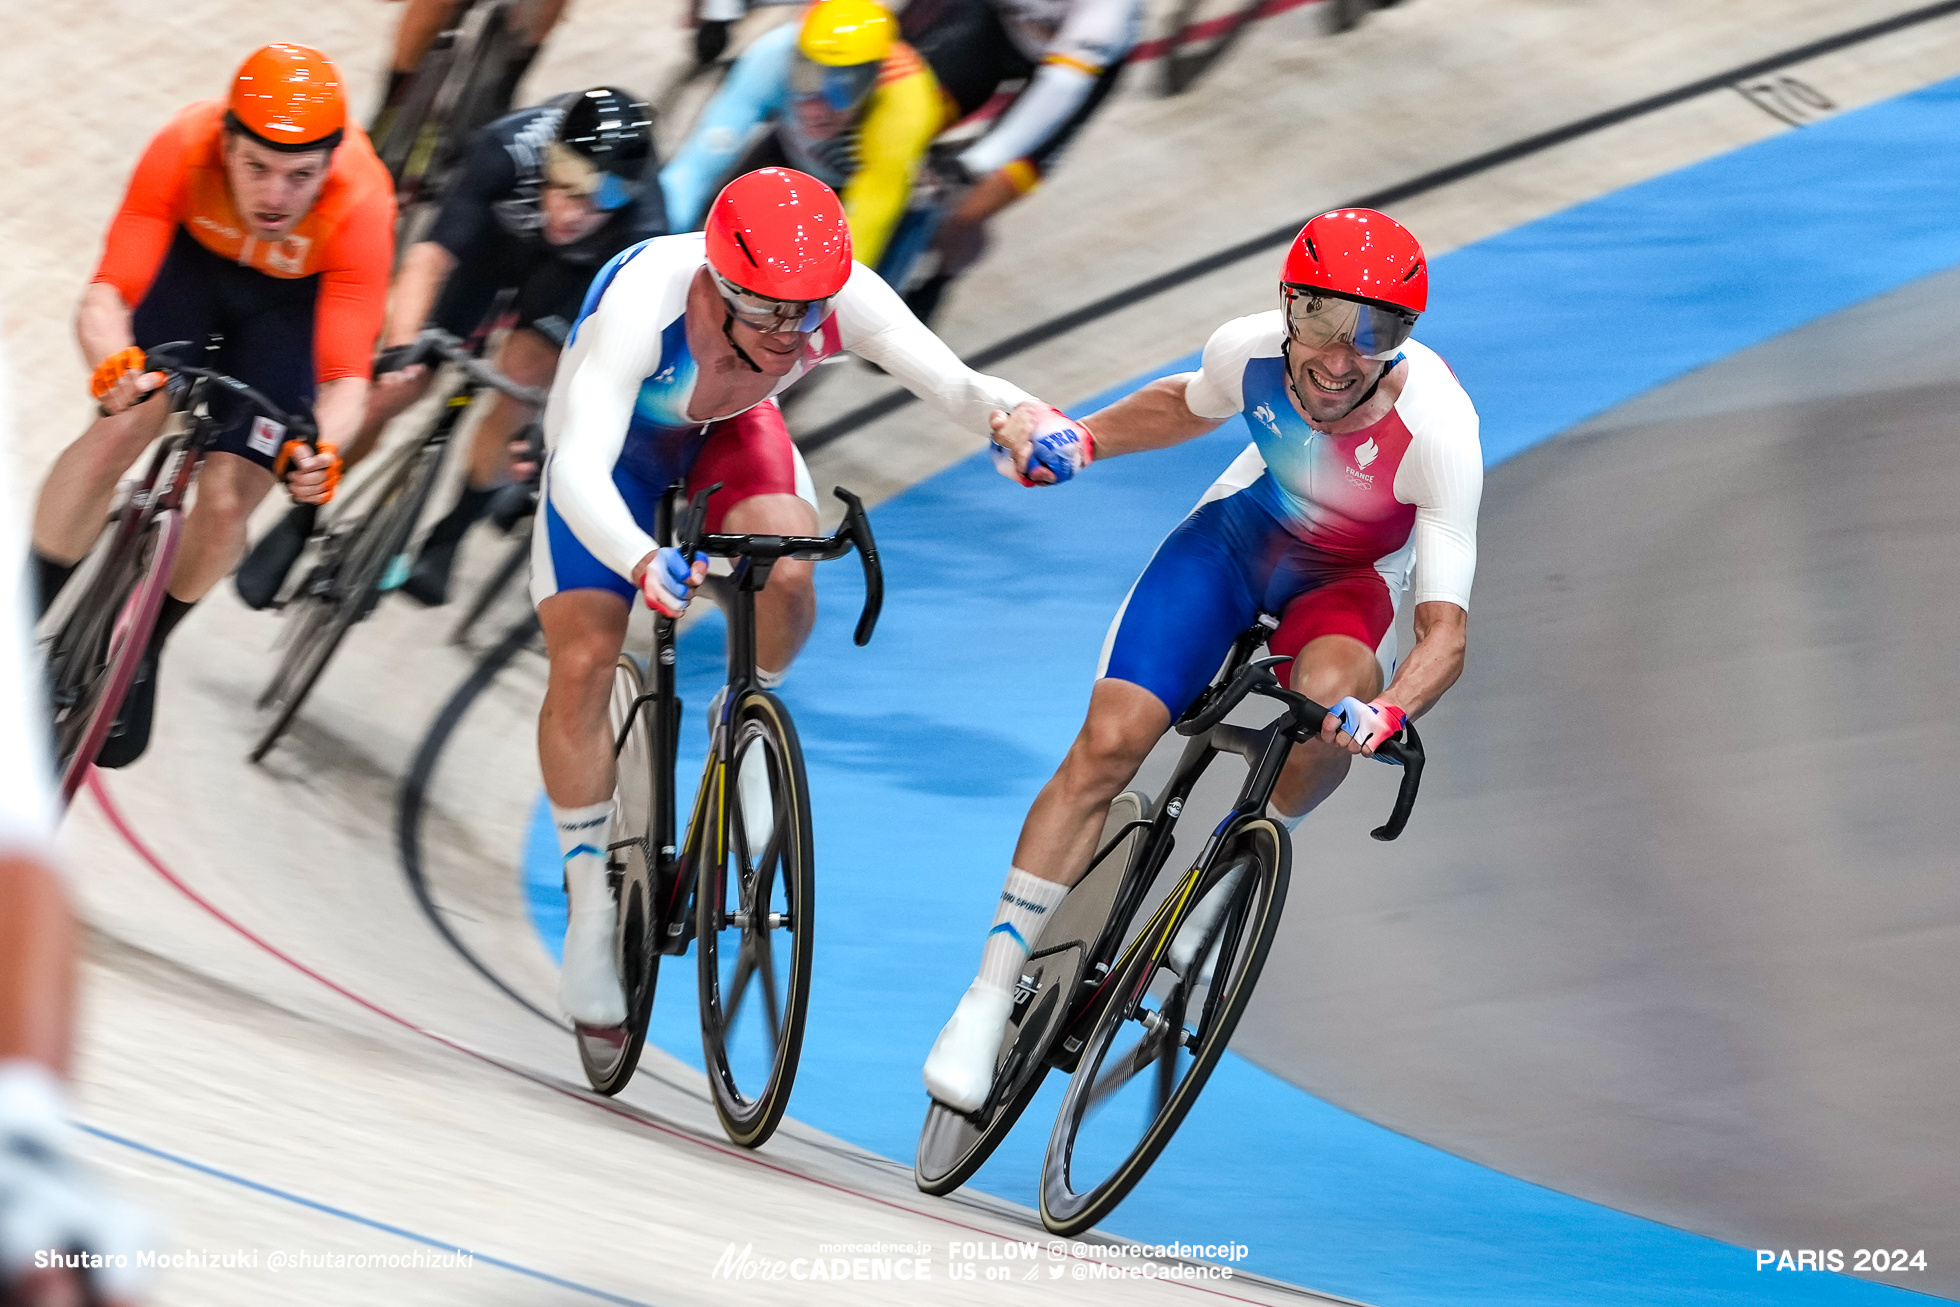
(1061, 444)
(668, 582)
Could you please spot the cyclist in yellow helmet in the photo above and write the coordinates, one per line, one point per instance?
(838, 96)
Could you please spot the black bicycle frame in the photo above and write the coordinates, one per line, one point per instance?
(756, 557)
(1265, 750)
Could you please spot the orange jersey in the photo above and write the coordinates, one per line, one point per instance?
(347, 238)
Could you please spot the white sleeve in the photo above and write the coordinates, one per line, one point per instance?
(27, 807)
(1094, 35)
(617, 349)
(874, 324)
(1217, 389)
(1443, 476)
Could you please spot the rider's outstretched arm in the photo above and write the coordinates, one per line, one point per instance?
(874, 324)
(1155, 417)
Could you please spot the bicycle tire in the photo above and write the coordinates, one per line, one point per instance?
(953, 1145)
(396, 145)
(1242, 933)
(788, 861)
(610, 1055)
(346, 593)
(130, 603)
(493, 587)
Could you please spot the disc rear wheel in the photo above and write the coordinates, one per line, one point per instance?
(1172, 1007)
(754, 921)
(953, 1145)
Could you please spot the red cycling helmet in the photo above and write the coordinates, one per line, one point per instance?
(1370, 264)
(780, 234)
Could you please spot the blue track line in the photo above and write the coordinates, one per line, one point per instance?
(358, 1219)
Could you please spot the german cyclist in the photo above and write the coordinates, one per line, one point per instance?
(1364, 465)
(669, 375)
(1070, 52)
(546, 195)
(266, 219)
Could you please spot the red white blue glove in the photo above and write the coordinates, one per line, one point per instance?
(669, 580)
(1371, 724)
(1061, 444)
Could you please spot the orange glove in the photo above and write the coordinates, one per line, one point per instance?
(293, 450)
(118, 365)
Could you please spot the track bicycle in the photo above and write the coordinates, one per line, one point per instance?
(458, 87)
(94, 641)
(364, 548)
(1137, 983)
(743, 883)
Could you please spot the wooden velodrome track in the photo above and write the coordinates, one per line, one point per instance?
(265, 998)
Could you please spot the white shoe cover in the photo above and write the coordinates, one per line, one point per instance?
(588, 984)
(758, 808)
(960, 1068)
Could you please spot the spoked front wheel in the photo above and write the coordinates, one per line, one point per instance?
(1173, 1007)
(754, 921)
(610, 1054)
(343, 587)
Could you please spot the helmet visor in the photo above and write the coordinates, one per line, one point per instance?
(841, 88)
(767, 315)
(1318, 318)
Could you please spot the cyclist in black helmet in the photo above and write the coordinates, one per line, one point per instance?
(546, 195)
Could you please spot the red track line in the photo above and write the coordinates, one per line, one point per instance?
(109, 809)
(1209, 28)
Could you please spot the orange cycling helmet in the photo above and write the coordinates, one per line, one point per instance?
(780, 234)
(288, 97)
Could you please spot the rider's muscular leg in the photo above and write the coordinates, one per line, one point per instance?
(421, 20)
(228, 489)
(386, 401)
(584, 631)
(786, 608)
(1326, 671)
(75, 498)
(530, 360)
(1059, 837)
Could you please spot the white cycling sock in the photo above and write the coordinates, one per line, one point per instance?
(582, 840)
(769, 680)
(1025, 904)
(1291, 823)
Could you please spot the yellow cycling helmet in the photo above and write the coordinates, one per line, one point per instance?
(844, 33)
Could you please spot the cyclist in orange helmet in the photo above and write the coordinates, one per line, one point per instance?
(266, 220)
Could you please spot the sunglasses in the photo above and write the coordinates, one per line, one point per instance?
(770, 316)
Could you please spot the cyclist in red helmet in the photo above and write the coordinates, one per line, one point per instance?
(265, 220)
(1364, 466)
(669, 375)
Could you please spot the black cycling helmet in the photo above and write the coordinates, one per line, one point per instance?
(611, 128)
